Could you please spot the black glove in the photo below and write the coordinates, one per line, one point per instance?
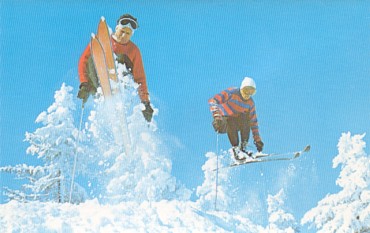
(220, 124)
(85, 90)
(148, 112)
(259, 145)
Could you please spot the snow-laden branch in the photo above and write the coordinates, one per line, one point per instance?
(349, 209)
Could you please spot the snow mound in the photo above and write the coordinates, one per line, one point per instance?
(162, 216)
(133, 162)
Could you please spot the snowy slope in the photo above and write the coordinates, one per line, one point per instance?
(125, 193)
(162, 216)
(137, 192)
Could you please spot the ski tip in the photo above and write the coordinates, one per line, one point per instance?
(93, 35)
(102, 18)
(307, 148)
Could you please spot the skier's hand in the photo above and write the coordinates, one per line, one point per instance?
(148, 112)
(83, 93)
(219, 124)
(85, 90)
(259, 145)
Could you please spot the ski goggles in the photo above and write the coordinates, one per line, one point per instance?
(248, 91)
(128, 22)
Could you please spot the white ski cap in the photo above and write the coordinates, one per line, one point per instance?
(248, 82)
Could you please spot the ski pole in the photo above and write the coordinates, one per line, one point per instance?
(216, 172)
(77, 144)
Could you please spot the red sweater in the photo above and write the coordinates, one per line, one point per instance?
(130, 50)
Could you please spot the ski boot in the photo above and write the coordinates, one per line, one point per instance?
(248, 154)
(238, 156)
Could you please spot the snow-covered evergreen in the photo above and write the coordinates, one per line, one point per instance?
(55, 144)
(279, 220)
(349, 209)
(210, 196)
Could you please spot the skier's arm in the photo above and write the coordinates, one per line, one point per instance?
(253, 122)
(82, 65)
(218, 102)
(139, 76)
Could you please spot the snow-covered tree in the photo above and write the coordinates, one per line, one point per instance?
(279, 220)
(55, 145)
(348, 210)
(210, 196)
(29, 191)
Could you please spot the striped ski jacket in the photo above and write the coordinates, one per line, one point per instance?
(230, 103)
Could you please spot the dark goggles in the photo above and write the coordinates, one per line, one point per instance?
(248, 91)
(126, 21)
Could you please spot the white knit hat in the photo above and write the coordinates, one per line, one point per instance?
(248, 82)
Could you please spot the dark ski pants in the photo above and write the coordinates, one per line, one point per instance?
(236, 125)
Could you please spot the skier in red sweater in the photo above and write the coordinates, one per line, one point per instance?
(127, 53)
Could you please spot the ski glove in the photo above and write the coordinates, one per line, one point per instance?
(220, 124)
(85, 90)
(148, 112)
(259, 145)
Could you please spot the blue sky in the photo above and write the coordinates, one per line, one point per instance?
(310, 61)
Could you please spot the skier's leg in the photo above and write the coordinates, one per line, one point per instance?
(233, 127)
(243, 123)
(232, 131)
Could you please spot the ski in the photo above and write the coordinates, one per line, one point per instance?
(98, 56)
(104, 62)
(103, 57)
(260, 158)
(104, 39)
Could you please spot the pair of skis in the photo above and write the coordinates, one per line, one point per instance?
(103, 57)
(260, 158)
(102, 54)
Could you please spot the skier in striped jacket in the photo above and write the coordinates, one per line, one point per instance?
(234, 111)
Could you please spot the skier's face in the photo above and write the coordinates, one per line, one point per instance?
(247, 92)
(123, 34)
